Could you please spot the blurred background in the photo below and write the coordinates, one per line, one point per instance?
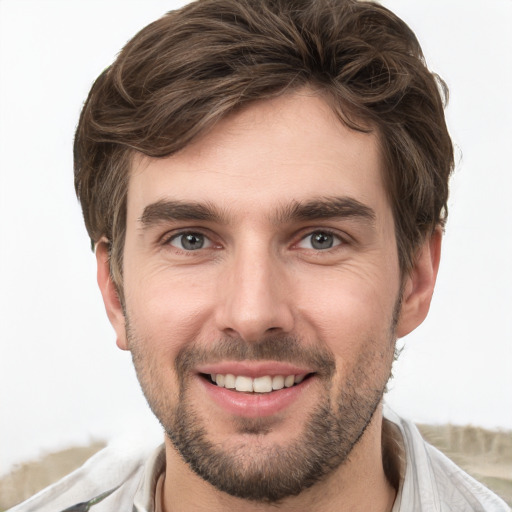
(64, 383)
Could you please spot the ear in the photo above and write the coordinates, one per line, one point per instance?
(419, 285)
(109, 293)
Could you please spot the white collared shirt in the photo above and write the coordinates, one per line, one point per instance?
(124, 478)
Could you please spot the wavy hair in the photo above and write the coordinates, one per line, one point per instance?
(182, 73)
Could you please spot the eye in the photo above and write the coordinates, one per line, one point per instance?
(320, 241)
(190, 241)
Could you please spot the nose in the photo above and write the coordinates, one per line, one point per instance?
(254, 298)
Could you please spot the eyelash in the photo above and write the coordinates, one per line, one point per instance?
(169, 238)
(338, 240)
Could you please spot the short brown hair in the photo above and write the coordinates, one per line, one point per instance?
(182, 73)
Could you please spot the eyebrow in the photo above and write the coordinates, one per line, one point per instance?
(315, 209)
(163, 211)
(326, 208)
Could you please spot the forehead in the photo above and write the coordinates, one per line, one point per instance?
(290, 148)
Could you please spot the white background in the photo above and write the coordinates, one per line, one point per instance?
(62, 379)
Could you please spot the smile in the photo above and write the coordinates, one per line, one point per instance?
(263, 384)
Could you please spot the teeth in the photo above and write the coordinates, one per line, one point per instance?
(243, 383)
(264, 384)
(299, 379)
(230, 381)
(278, 382)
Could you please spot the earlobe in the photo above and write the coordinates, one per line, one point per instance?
(419, 285)
(109, 293)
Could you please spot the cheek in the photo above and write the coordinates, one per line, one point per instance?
(349, 312)
(361, 295)
(168, 308)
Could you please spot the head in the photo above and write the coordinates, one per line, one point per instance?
(264, 180)
(186, 71)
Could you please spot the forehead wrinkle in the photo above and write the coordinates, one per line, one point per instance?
(324, 208)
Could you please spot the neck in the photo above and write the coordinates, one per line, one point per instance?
(362, 483)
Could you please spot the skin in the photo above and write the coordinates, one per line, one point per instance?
(258, 275)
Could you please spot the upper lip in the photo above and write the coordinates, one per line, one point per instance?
(253, 369)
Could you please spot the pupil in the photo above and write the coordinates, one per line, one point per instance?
(192, 242)
(322, 241)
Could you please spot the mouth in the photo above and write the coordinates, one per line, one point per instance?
(255, 389)
(256, 385)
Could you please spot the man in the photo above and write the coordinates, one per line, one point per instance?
(265, 185)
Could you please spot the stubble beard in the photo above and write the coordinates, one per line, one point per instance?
(252, 469)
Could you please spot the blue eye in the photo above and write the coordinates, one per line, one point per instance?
(190, 241)
(320, 241)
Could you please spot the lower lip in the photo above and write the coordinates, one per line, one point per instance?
(254, 405)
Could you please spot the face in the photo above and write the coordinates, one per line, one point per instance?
(262, 292)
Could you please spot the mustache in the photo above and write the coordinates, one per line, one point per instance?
(276, 347)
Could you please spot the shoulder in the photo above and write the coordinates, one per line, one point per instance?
(431, 481)
(109, 481)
